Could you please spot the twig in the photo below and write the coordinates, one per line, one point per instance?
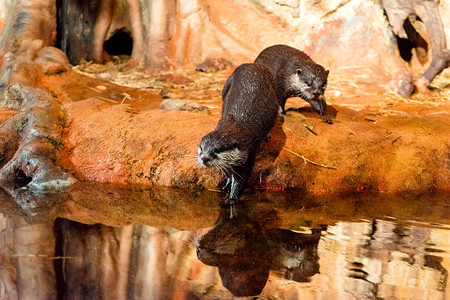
(93, 89)
(395, 140)
(308, 160)
(371, 120)
(312, 131)
(125, 96)
(109, 100)
(387, 136)
(296, 154)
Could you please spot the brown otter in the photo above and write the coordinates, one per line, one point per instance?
(249, 111)
(296, 75)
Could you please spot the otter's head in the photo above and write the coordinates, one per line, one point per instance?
(308, 81)
(219, 150)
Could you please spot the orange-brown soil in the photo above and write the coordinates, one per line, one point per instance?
(5, 114)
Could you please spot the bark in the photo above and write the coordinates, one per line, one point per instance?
(398, 11)
(162, 22)
(75, 34)
(39, 126)
(31, 139)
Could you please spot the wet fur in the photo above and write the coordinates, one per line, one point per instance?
(296, 75)
(249, 112)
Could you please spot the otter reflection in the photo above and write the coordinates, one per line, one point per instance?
(246, 247)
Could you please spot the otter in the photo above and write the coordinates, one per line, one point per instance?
(296, 75)
(249, 112)
(248, 247)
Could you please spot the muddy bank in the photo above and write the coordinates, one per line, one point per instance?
(379, 142)
(385, 153)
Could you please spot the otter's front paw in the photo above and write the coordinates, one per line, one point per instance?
(327, 119)
(230, 201)
(225, 185)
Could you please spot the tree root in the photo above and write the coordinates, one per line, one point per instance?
(31, 141)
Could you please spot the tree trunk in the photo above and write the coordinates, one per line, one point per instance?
(31, 139)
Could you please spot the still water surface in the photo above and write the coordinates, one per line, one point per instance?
(104, 242)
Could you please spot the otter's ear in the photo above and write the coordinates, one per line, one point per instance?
(327, 72)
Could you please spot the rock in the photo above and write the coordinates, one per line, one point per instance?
(213, 65)
(105, 76)
(53, 61)
(183, 105)
(405, 84)
(176, 79)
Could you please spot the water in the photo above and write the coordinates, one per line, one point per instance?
(105, 242)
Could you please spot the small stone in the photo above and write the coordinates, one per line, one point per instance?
(214, 65)
(105, 75)
(404, 83)
(183, 105)
(53, 61)
(176, 79)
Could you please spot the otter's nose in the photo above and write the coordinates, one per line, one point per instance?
(204, 159)
(317, 94)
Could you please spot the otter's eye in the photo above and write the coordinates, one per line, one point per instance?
(324, 85)
(299, 72)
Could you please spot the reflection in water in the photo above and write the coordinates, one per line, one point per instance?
(247, 246)
(100, 249)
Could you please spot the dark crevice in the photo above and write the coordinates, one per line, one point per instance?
(21, 179)
(120, 43)
(405, 47)
(58, 24)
